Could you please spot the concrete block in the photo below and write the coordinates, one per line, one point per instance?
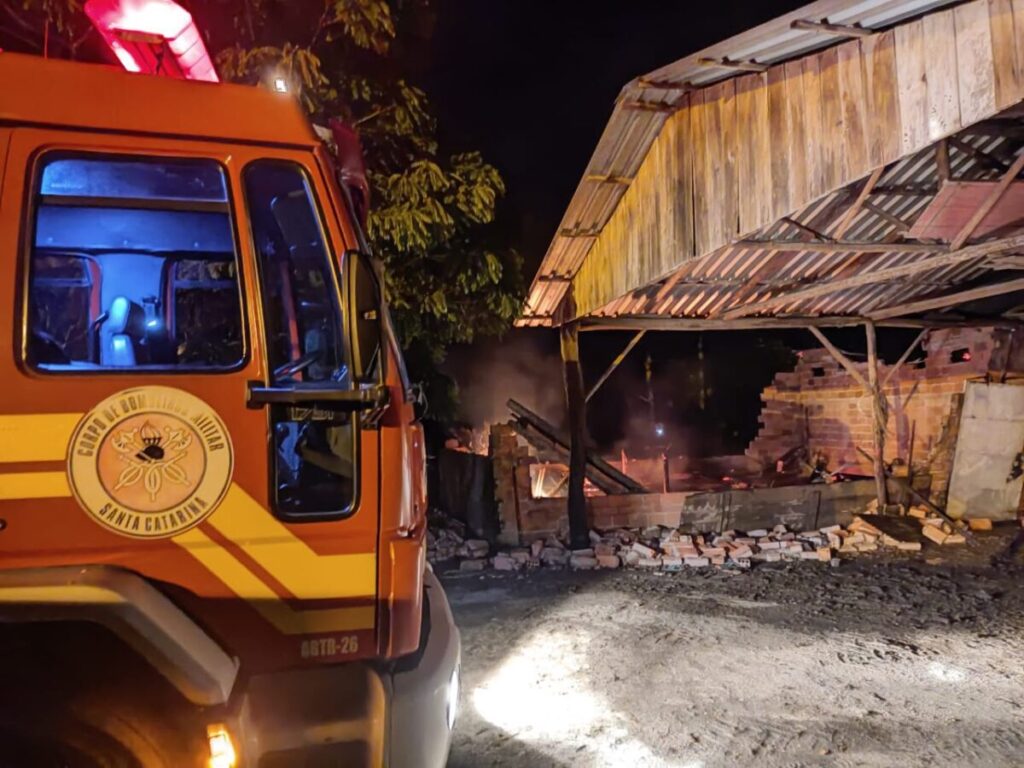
(697, 562)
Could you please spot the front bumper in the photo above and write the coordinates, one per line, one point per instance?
(359, 714)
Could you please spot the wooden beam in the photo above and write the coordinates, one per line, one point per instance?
(908, 190)
(621, 181)
(809, 231)
(553, 279)
(880, 275)
(903, 358)
(982, 157)
(901, 226)
(880, 420)
(836, 30)
(615, 364)
(840, 358)
(577, 233)
(950, 299)
(942, 160)
(576, 405)
(1006, 262)
(739, 66)
(648, 106)
(667, 323)
(855, 206)
(664, 85)
(841, 246)
(989, 203)
(674, 279)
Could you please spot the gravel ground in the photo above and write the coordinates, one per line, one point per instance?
(888, 660)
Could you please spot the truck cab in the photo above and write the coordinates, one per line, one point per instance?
(212, 496)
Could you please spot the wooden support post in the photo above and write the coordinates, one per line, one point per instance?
(880, 418)
(576, 405)
(615, 364)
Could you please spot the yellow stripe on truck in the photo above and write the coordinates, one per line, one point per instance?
(33, 485)
(36, 436)
(304, 573)
(246, 585)
(68, 593)
(239, 518)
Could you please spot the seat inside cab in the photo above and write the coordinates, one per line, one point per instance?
(133, 264)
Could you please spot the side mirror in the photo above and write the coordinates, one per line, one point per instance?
(364, 317)
(419, 399)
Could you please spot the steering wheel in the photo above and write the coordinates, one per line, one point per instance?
(293, 367)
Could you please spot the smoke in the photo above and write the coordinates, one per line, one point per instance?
(524, 366)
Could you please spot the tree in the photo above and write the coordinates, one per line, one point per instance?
(449, 276)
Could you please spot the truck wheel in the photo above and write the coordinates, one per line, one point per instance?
(95, 730)
(72, 695)
(63, 746)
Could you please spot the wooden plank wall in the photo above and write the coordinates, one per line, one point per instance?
(741, 154)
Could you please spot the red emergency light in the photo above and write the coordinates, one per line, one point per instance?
(155, 37)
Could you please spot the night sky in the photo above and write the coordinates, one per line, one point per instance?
(532, 84)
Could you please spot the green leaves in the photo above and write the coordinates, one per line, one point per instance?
(367, 23)
(300, 68)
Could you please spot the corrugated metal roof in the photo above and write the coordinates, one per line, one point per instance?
(642, 109)
(737, 275)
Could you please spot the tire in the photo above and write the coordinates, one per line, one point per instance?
(103, 707)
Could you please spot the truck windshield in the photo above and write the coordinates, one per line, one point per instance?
(133, 264)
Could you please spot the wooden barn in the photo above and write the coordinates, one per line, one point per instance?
(850, 163)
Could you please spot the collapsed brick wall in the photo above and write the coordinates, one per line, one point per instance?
(820, 405)
(524, 517)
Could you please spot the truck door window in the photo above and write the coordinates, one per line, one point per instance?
(132, 265)
(313, 450)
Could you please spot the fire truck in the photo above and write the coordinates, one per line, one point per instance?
(212, 493)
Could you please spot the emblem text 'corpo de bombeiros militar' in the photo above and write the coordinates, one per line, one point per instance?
(150, 462)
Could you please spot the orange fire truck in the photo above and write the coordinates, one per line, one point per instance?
(212, 501)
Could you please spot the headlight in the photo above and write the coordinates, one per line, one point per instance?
(453, 698)
(222, 750)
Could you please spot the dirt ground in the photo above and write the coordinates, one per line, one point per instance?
(887, 660)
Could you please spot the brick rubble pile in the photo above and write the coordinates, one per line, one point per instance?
(669, 549)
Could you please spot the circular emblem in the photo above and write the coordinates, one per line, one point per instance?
(150, 462)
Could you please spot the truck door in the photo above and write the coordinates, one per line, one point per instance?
(163, 282)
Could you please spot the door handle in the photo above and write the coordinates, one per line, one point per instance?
(259, 395)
